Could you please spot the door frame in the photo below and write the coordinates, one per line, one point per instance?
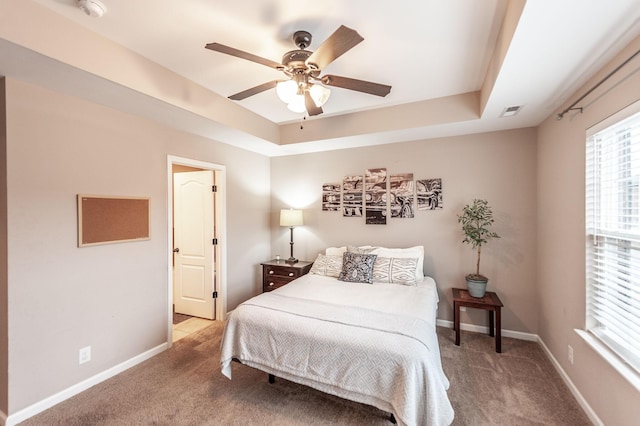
(220, 225)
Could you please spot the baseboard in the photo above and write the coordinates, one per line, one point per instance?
(485, 330)
(49, 402)
(574, 390)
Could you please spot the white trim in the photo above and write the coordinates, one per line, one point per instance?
(221, 229)
(574, 390)
(485, 330)
(65, 394)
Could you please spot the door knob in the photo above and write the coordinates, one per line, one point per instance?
(176, 250)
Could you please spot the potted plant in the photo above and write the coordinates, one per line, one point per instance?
(476, 220)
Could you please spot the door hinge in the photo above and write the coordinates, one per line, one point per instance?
(215, 295)
(214, 241)
(214, 188)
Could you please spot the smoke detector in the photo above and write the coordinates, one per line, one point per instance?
(93, 8)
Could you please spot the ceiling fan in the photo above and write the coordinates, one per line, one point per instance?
(305, 89)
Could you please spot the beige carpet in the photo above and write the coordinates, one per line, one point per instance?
(184, 386)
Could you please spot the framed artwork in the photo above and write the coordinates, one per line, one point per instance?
(375, 194)
(429, 194)
(401, 195)
(331, 197)
(352, 196)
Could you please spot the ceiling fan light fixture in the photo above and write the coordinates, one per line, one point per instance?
(297, 104)
(319, 94)
(287, 90)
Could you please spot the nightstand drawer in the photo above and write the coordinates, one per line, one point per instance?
(282, 271)
(276, 273)
(271, 283)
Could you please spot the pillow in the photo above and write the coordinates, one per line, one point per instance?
(411, 252)
(395, 270)
(361, 249)
(335, 251)
(327, 265)
(357, 268)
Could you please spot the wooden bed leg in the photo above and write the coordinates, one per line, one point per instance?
(392, 419)
(272, 378)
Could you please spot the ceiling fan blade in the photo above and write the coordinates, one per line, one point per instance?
(358, 85)
(312, 108)
(253, 91)
(342, 40)
(217, 47)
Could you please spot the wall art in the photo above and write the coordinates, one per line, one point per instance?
(429, 194)
(352, 196)
(375, 193)
(401, 195)
(331, 197)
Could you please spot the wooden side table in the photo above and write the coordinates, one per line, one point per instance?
(276, 273)
(489, 302)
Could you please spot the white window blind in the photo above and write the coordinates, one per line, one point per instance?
(613, 237)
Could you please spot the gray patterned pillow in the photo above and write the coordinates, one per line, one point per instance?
(357, 268)
(395, 270)
(327, 265)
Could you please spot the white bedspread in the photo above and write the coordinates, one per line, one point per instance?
(374, 344)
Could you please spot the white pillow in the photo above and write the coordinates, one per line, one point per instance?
(395, 270)
(327, 265)
(339, 251)
(335, 251)
(411, 252)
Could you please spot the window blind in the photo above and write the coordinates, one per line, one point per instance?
(613, 237)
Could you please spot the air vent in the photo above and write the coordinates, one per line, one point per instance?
(510, 111)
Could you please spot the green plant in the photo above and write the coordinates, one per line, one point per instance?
(476, 219)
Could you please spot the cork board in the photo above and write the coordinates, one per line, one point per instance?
(106, 219)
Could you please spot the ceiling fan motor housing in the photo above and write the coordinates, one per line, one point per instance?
(302, 39)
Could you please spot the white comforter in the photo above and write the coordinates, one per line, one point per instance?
(374, 344)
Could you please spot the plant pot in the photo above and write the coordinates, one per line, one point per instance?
(476, 286)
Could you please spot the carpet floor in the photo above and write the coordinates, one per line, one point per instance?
(184, 386)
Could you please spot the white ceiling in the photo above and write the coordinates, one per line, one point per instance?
(424, 49)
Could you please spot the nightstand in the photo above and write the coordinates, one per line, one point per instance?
(276, 273)
(489, 302)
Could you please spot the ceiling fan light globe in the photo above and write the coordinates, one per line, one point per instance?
(297, 104)
(319, 94)
(287, 90)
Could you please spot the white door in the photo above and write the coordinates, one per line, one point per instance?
(193, 243)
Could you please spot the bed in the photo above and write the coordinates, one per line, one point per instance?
(369, 342)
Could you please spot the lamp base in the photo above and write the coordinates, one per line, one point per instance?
(292, 260)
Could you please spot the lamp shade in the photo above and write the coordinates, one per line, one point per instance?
(290, 217)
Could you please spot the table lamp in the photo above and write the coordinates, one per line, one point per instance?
(291, 218)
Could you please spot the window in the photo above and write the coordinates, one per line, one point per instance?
(613, 236)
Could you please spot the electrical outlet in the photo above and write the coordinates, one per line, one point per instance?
(84, 355)
(570, 354)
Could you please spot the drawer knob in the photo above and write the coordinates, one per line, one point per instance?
(290, 274)
(270, 284)
(270, 272)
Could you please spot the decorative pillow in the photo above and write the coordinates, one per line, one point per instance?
(361, 249)
(392, 270)
(357, 267)
(329, 266)
(411, 252)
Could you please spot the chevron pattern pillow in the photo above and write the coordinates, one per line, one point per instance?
(394, 270)
(327, 265)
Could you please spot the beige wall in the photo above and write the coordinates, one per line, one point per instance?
(500, 167)
(112, 297)
(561, 242)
